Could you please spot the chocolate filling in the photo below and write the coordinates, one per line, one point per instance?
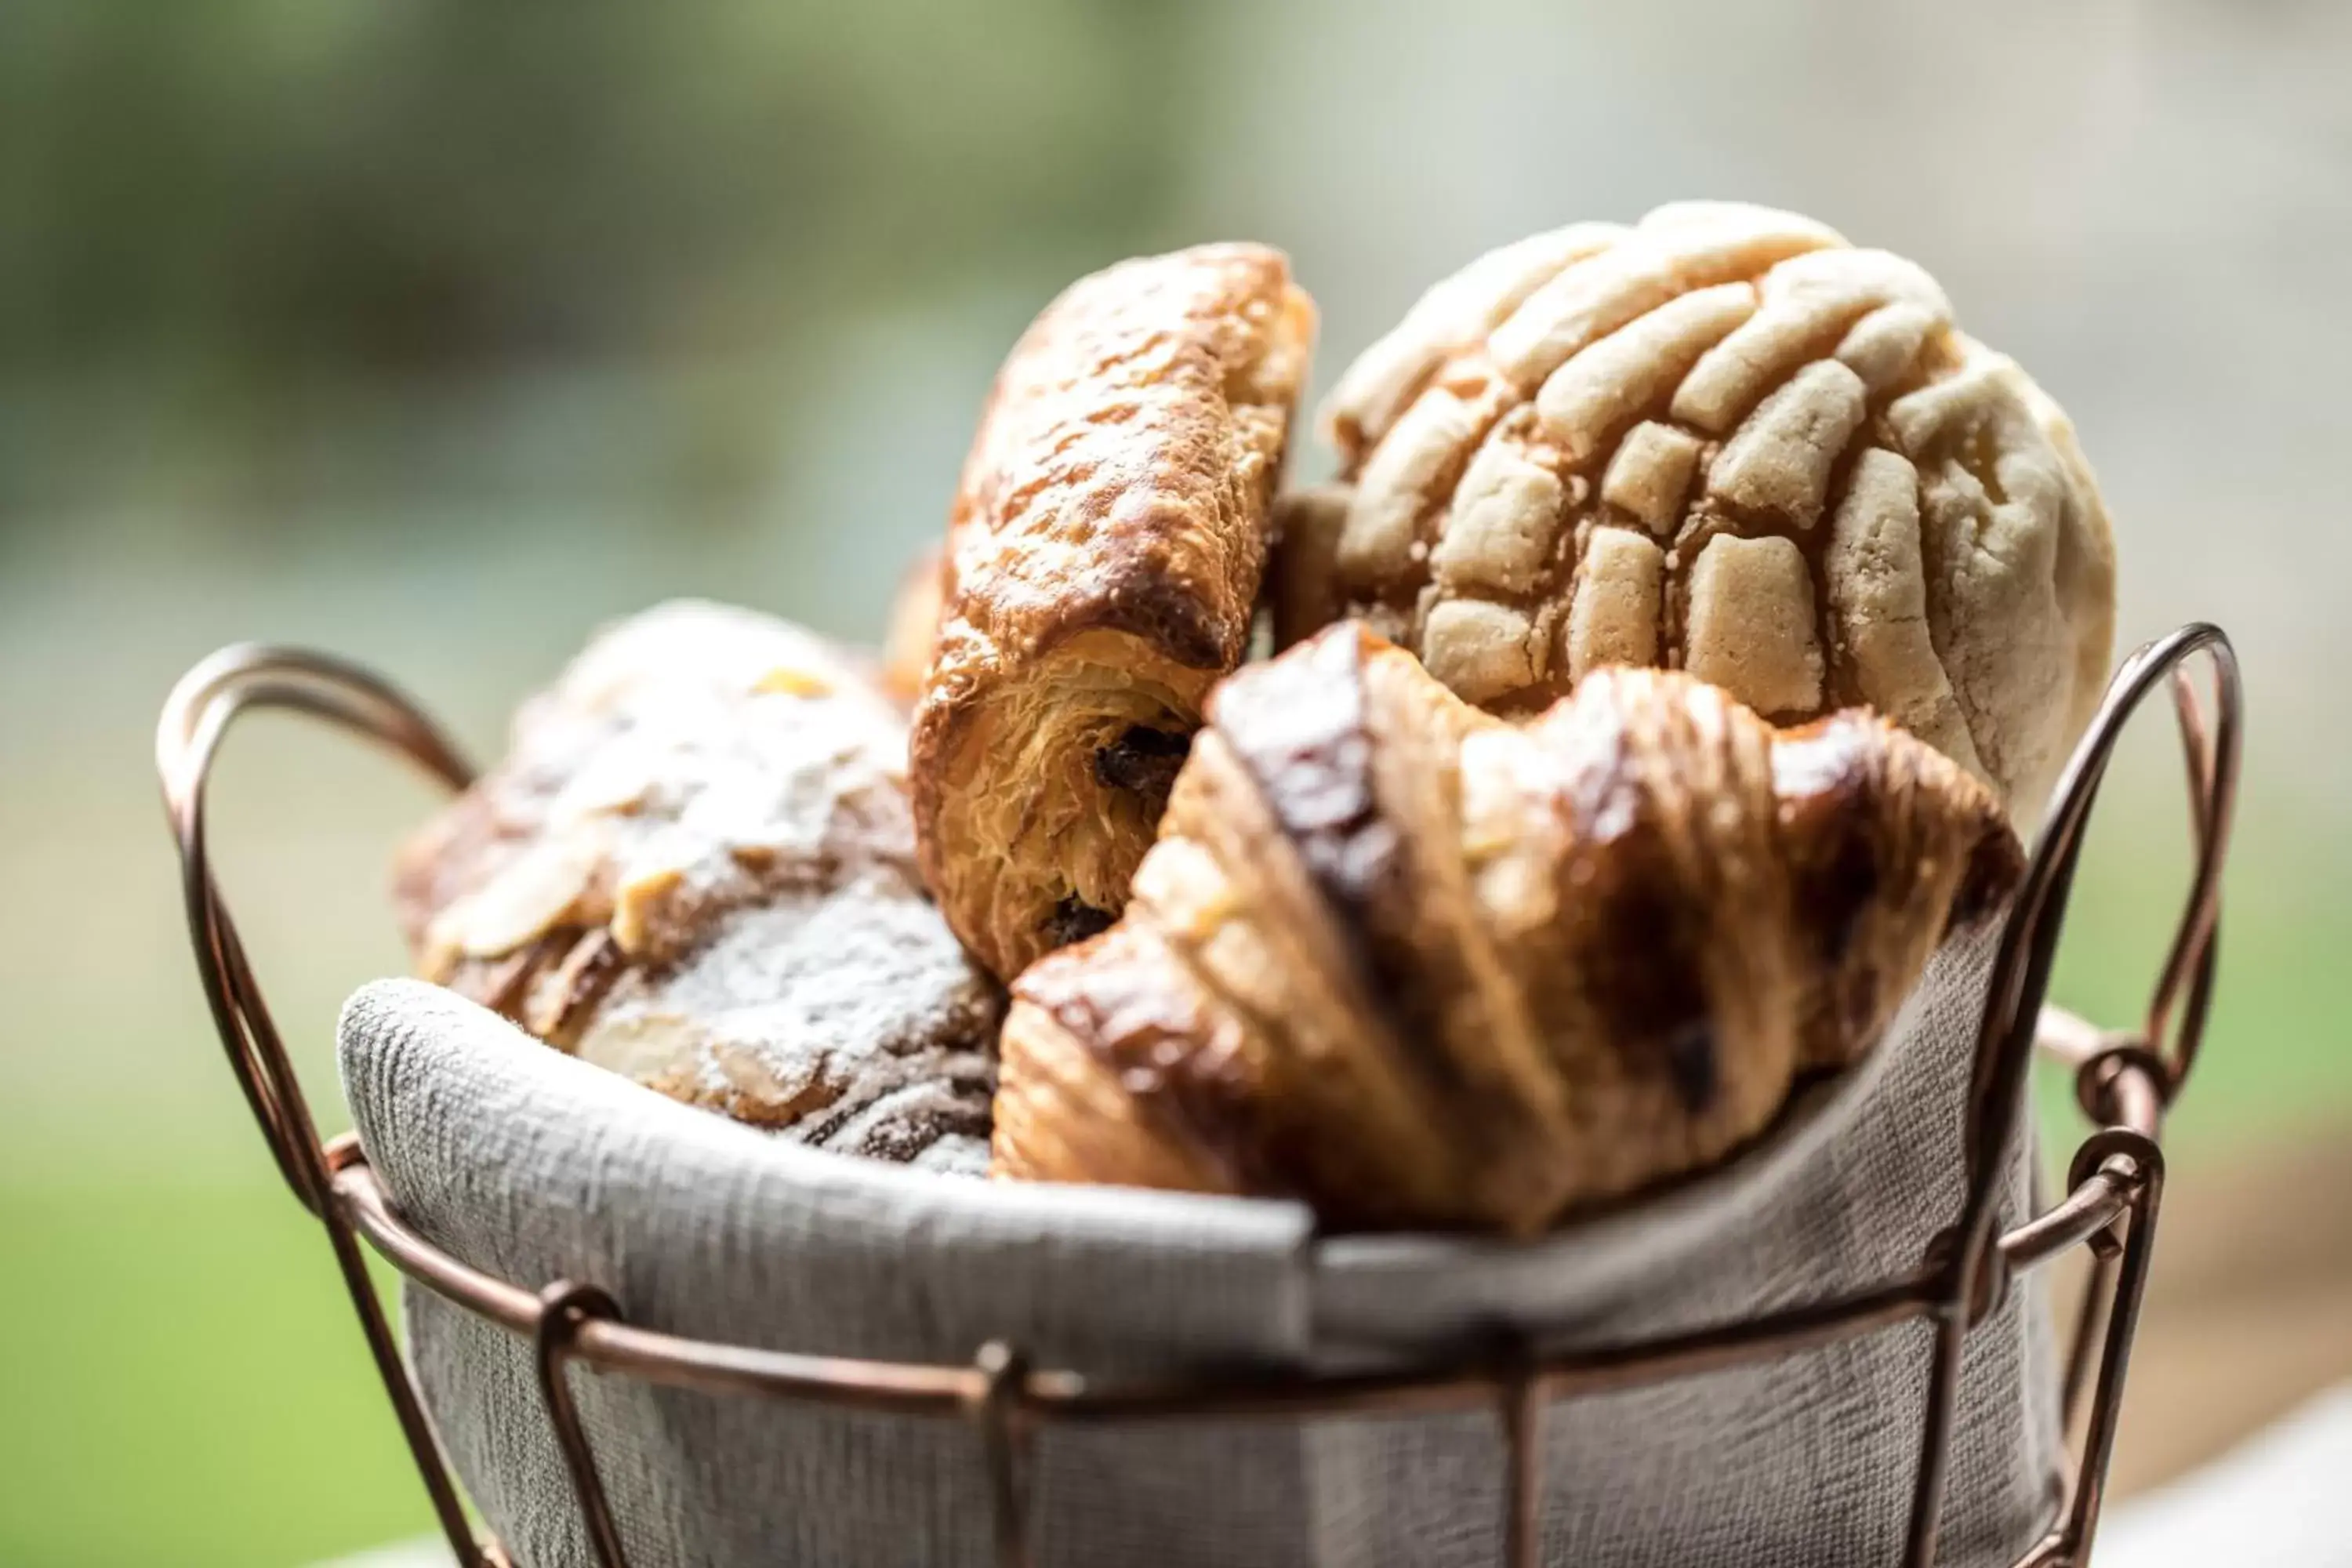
(1074, 919)
(1144, 761)
(1691, 1064)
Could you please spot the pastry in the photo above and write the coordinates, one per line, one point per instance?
(1722, 440)
(1418, 965)
(696, 868)
(1106, 545)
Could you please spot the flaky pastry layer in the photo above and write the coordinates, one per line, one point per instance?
(1106, 550)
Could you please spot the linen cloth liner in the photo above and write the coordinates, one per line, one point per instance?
(533, 1166)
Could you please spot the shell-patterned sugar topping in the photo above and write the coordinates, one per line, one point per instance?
(1723, 440)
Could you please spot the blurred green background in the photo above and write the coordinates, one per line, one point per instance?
(436, 333)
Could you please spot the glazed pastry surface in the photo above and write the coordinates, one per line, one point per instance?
(1722, 440)
(1421, 966)
(1106, 545)
(696, 867)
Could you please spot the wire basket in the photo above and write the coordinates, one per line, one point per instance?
(2125, 1081)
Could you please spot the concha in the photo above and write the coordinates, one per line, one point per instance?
(1721, 439)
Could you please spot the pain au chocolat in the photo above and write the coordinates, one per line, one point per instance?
(1723, 440)
(1418, 965)
(1106, 551)
(696, 867)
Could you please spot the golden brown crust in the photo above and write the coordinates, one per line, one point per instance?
(1107, 544)
(1724, 440)
(1420, 966)
(694, 867)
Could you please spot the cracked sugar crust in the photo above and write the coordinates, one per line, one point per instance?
(1721, 439)
(694, 867)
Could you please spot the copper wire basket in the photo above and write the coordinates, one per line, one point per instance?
(2125, 1081)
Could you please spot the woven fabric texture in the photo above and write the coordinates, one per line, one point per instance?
(535, 1167)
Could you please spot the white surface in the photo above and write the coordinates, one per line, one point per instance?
(2280, 1500)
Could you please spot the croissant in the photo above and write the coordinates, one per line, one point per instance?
(1421, 966)
(1724, 440)
(1106, 545)
(696, 868)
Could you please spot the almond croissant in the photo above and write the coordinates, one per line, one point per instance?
(696, 868)
(1420, 966)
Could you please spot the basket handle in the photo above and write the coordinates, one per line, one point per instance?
(2021, 977)
(197, 716)
(2125, 1081)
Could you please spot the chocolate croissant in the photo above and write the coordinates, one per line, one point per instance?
(1106, 550)
(696, 868)
(1724, 440)
(1420, 966)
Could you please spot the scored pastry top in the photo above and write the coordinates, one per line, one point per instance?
(1723, 440)
(1144, 409)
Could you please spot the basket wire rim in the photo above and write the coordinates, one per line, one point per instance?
(2125, 1081)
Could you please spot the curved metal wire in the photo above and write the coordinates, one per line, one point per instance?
(2020, 980)
(2125, 1081)
(195, 718)
(564, 1308)
(2022, 971)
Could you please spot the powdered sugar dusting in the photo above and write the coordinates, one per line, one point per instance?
(720, 797)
